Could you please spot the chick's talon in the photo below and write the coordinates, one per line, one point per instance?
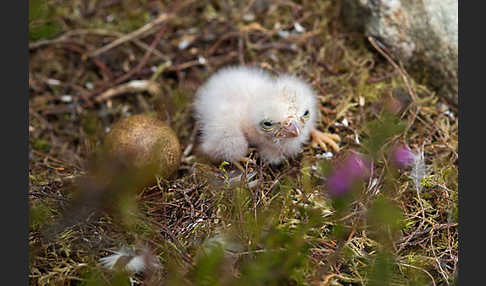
(246, 160)
(322, 138)
(242, 162)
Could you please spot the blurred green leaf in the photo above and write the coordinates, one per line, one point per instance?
(380, 130)
(384, 215)
(381, 270)
(208, 266)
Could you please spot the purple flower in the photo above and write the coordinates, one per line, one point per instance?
(339, 183)
(402, 156)
(357, 165)
(350, 171)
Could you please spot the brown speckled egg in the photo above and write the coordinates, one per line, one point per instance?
(142, 141)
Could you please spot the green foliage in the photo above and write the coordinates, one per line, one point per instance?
(380, 130)
(414, 274)
(37, 9)
(41, 145)
(181, 98)
(47, 30)
(40, 24)
(127, 17)
(381, 269)
(339, 232)
(223, 169)
(267, 251)
(207, 270)
(94, 277)
(324, 167)
(427, 181)
(38, 216)
(283, 259)
(92, 125)
(385, 217)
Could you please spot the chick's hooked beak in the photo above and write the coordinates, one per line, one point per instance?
(289, 129)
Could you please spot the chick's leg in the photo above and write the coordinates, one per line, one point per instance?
(241, 163)
(322, 138)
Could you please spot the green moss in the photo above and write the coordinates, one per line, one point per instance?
(428, 181)
(41, 25)
(93, 276)
(48, 30)
(450, 177)
(39, 215)
(181, 99)
(127, 17)
(144, 229)
(92, 125)
(41, 145)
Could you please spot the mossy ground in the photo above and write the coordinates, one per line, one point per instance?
(280, 227)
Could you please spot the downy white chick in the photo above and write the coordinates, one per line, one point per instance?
(241, 106)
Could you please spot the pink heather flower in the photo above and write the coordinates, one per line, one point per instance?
(402, 156)
(353, 169)
(339, 183)
(357, 165)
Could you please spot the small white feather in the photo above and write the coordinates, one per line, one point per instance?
(326, 155)
(135, 263)
(298, 28)
(110, 261)
(419, 169)
(345, 122)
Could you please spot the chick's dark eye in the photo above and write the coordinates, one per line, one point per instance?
(267, 125)
(306, 113)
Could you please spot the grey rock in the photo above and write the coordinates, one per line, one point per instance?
(422, 34)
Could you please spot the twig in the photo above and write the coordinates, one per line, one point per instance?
(442, 272)
(327, 279)
(130, 73)
(162, 18)
(421, 269)
(381, 78)
(131, 36)
(435, 227)
(132, 86)
(241, 50)
(213, 48)
(69, 34)
(49, 157)
(145, 58)
(176, 243)
(99, 32)
(412, 93)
